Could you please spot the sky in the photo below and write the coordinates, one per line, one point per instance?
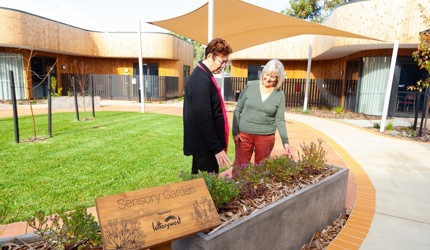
(122, 15)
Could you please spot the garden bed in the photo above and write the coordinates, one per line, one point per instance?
(282, 218)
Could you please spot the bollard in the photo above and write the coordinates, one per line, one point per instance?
(15, 109)
(49, 106)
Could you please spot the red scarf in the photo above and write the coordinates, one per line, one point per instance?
(224, 113)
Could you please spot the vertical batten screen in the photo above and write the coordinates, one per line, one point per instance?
(373, 85)
(11, 62)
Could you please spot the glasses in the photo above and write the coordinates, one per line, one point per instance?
(270, 77)
(222, 62)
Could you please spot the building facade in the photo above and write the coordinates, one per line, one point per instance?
(30, 45)
(360, 66)
(347, 72)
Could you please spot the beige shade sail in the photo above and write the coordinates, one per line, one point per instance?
(245, 25)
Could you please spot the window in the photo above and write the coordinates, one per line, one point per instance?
(254, 71)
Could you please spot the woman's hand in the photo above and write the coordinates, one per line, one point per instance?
(222, 159)
(288, 150)
(237, 138)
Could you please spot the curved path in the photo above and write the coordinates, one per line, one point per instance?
(399, 171)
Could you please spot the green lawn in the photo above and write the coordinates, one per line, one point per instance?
(114, 153)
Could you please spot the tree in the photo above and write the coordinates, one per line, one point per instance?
(82, 78)
(199, 52)
(30, 90)
(304, 9)
(329, 5)
(199, 49)
(422, 57)
(311, 10)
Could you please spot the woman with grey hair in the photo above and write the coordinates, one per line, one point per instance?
(258, 113)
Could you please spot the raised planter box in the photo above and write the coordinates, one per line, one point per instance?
(68, 102)
(285, 224)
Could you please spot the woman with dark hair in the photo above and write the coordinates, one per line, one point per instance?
(206, 128)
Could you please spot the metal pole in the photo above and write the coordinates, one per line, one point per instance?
(389, 85)
(92, 96)
(49, 107)
(425, 111)
(222, 83)
(308, 74)
(15, 109)
(76, 98)
(142, 89)
(210, 20)
(417, 107)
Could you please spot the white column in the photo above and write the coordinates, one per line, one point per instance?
(141, 85)
(210, 20)
(389, 85)
(308, 74)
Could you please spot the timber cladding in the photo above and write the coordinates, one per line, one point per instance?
(321, 69)
(83, 51)
(23, 30)
(153, 216)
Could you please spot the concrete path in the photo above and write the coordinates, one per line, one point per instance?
(400, 172)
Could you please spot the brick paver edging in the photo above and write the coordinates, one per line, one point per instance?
(358, 224)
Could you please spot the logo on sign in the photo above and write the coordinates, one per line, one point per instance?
(169, 221)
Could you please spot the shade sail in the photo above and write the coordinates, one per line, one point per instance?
(245, 25)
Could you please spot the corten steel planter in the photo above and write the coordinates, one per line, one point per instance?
(285, 224)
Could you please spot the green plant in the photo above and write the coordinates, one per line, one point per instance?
(221, 188)
(250, 173)
(411, 133)
(57, 91)
(282, 168)
(313, 156)
(74, 230)
(69, 93)
(338, 110)
(376, 125)
(389, 126)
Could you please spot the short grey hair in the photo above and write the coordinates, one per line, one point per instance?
(276, 66)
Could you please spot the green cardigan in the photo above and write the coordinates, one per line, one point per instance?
(253, 116)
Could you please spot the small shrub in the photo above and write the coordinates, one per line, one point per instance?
(282, 168)
(73, 230)
(389, 126)
(411, 133)
(338, 110)
(313, 156)
(250, 173)
(252, 190)
(56, 91)
(376, 125)
(221, 188)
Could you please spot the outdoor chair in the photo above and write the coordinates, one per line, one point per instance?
(407, 101)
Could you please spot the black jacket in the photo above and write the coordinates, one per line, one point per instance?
(203, 117)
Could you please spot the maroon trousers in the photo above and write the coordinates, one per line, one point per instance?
(261, 145)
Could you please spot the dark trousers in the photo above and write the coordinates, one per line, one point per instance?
(204, 161)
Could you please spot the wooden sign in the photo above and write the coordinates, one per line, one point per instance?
(149, 217)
